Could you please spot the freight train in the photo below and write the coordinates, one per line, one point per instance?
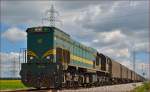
(55, 60)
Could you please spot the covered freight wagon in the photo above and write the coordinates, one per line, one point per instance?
(124, 73)
(129, 75)
(116, 71)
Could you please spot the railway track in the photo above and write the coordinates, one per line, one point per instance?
(31, 90)
(108, 88)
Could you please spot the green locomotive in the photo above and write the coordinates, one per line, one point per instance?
(55, 60)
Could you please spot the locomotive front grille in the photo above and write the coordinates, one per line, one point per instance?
(39, 75)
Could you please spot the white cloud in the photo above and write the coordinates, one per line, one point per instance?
(127, 63)
(119, 53)
(124, 52)
(95, 41)
(9, 62)
(112, 36)
(8, 56)
(14, 34)
(142, 46)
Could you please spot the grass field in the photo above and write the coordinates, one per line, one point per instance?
(11, 84)
(144, 88)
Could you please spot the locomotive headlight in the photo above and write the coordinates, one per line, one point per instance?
(48, 57)
(38, 29)
(31, 57)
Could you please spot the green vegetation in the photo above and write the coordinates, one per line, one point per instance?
(11, 84)
(144, 88)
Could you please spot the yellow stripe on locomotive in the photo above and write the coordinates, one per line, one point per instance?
(31, 53)
(73, 58)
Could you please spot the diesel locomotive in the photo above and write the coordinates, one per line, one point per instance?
(55, 60)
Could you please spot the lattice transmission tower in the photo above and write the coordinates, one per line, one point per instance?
(52, 16)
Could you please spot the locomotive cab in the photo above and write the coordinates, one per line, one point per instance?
(40, 45)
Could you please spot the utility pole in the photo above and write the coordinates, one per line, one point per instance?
(20, 59)
(134, 56)
(1, 66)
(143, 70)
(14, 67)
(149, 43)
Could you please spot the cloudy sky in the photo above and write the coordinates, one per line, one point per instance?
(115, 28)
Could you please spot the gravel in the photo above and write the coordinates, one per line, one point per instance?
(112, 88)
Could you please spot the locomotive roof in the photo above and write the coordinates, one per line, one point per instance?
(33, 29)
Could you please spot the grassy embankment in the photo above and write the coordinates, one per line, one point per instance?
(144, 88)
(11, 84)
